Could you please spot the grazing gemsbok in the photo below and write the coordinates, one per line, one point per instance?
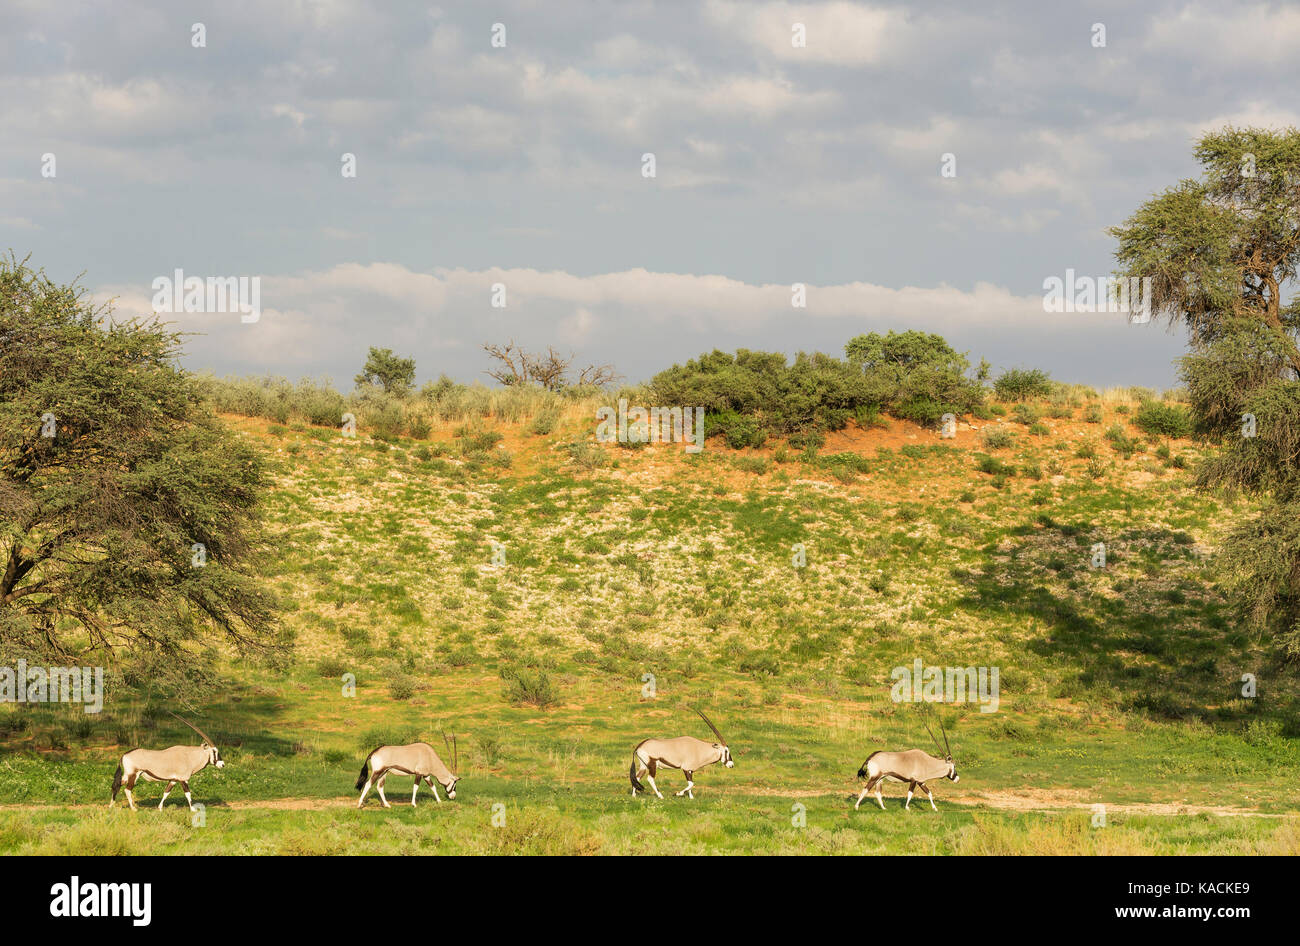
(418, 760)
(913, 766)
(685, 752)
(177, 764)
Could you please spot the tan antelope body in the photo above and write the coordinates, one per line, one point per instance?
(914, 766)
(684, 752)
(418, 760)
(176, 764)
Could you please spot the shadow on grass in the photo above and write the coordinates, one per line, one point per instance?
(1166, 650)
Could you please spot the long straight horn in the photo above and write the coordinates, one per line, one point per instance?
(453, 750)
(711, 726)
(202, 734)
(931, 732)
(947, 748)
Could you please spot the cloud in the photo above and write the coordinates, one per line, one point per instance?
(311, 317)
(842, 34)
(1251, 35)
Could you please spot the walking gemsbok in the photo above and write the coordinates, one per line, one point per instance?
(418, 760)
(177, 764)
(685, 752)
(913, 766)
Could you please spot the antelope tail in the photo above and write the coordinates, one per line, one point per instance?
(631, 773)
(365, 771)
(862, 772)
(117, 780)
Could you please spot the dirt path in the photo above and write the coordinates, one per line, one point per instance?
(1033, 799)
(1026, 800)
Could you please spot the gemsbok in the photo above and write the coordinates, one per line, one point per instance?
(913, 766)
(685, 752)
(177, 764)
(418, 760)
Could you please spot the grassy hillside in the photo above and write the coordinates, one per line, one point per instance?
(1119, 686)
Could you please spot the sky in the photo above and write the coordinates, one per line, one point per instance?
(504, 143)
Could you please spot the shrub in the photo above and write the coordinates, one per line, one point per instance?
(997, 438)
(739, 431)
(751, 395)
(401, 686)
(1026, 414)
(1019, 384)
(331, 668)
(1165, 420)
(419, 426)
(525, 686)
(757, 465)
(992, 465)
(545, 421)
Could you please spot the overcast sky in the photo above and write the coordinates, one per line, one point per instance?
(522, 165)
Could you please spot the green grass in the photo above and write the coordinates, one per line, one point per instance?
(1119, 686)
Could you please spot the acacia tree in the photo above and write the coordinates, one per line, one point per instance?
(551, 370)
(391, 372)
(1221, 252)
(128, 512)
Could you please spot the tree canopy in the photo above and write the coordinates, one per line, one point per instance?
(1221, 252)
(128, 513)
(392, 373)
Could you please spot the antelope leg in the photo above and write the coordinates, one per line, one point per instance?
(379, 787)
(910, 789)
(929, 794)
(653, 787)
(188, 800)
(365, 791)
(433, 785)
(415, 789)
(166, 792)
(865, 792)
(689, 785)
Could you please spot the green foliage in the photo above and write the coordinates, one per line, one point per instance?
(915, 375)
(997, 438)
(1026, 414)
(1019, 384)
(1165, 420)
(545, 421)
(98, 522)
(751, 396)
(390, 372)
(523, 685)
(993, 466)
(1221, 253)
(738, 430)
